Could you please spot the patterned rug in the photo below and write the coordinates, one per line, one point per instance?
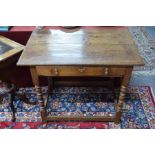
(139, 110)
(144, 38)
(145, 46)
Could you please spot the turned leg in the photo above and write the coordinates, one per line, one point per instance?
(35, 80)
(11, 99)
(121, 98)
(112, 79)
(1, 99)
(50, 88)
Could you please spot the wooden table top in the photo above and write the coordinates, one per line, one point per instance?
(81, 47)
(8, 48)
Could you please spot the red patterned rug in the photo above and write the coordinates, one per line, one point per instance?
(139, 113)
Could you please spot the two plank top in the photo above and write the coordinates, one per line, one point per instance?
(81, 47)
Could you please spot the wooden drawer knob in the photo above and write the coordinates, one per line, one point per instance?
(56, 71)
(81, 70)
(106, 72)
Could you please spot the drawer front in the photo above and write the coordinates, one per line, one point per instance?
(79, 71)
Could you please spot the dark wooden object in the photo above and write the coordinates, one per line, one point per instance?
(81, 53)
(9, 54)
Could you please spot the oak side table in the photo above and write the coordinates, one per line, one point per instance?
(98, 52)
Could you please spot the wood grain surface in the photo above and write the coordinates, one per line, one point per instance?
(81, 47)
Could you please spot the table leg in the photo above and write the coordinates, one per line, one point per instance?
(50, 89)
(35, 79)
(112, 79)
(11, 99)
(121, 98)
(11, 93)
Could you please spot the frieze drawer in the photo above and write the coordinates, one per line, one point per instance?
(79, 71)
